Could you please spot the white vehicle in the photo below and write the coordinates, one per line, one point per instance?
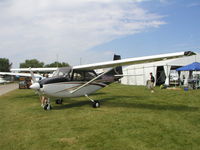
(82, 80)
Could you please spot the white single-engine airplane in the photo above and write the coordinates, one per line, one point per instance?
(82, 80)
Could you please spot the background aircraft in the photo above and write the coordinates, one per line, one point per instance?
(34, 69)
(19, 72)
(2, 80)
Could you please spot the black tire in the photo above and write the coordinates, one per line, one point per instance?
(96, 104)
(59, 101)
(47, 107)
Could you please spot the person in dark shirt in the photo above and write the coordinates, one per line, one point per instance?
(152, 79)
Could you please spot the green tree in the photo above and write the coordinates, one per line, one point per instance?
(57, 64)
(33, 63)
(5, 65)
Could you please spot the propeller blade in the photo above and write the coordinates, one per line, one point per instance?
(32, 75)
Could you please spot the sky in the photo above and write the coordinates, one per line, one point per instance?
(89, 31)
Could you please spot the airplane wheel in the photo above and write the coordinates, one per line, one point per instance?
(59, 101)
(47, 107)
(96, 104)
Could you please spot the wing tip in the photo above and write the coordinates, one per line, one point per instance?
(189, 53)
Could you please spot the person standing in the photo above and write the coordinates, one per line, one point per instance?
(152, 79)
(43, 100)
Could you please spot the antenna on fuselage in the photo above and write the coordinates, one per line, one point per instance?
(57, 59)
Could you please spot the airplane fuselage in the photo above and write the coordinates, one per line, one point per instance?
(64, 89)
(65, 86)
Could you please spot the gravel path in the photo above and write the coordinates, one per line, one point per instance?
(8, 87)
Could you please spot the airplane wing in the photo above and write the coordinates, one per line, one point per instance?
(35, 69)
(20, 74)
(130, 61)
(123, 62)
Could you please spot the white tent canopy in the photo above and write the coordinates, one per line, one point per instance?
(138, 74)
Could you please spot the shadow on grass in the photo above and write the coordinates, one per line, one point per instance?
(71, 105)
(155, 106)
(115, 102)
(99, 93)
(77, 103)
(140, 103)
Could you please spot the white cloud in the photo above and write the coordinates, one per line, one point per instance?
(44, 28)
(195, 4)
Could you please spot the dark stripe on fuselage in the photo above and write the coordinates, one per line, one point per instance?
(81, 83)
(53, 80)
(105, 80)
(63, 80)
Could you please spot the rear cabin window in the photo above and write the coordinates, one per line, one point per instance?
(83, 75)
(78, 76)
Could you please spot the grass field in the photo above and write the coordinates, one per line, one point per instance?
(130, 118)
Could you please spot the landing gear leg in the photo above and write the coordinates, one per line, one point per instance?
(95, 103)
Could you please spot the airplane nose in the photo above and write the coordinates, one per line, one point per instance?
(35, 86)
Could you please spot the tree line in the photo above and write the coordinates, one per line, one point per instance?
(5, 64)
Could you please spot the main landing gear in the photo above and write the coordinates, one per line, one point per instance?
(47, 104)
(95, 103)
(59, 101)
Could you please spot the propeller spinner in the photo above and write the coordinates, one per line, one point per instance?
(35, 86)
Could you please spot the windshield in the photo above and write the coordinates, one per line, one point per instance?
(64, 71)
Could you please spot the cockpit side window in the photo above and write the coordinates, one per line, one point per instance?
(79, 75)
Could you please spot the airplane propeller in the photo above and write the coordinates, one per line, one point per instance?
(36, 86)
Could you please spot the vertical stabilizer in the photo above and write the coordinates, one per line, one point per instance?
(117, 70)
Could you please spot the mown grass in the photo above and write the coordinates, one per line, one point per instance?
(130, 117)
